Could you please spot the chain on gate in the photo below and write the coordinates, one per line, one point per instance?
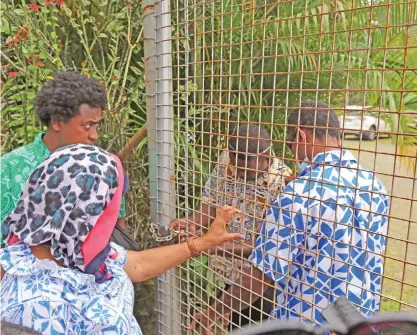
(157, 235)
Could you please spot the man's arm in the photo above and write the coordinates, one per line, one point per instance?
(277, 245)
(242, 249)
(241, 296)
(238, 297)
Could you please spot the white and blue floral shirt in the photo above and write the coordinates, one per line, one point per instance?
(324, 237)
(54, 300)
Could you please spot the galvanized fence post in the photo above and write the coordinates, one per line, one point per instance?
(158, 72)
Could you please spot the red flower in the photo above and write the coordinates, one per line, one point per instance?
(39, 64)
(9, 44)
(30, 59)
(83, 64)
(60, 45)
(34, 7)
(101, 83)
(113, 77)
(12, 74)
(18, 36)
(49, 2)
(23, 31)
(60, 2)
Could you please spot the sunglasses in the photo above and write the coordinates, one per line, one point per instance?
(343, 319)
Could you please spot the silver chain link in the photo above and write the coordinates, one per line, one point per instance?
(157, 235)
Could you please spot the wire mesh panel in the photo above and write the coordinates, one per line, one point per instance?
(302, 114)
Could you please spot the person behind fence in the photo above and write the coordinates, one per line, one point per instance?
(71, 107)
(63, 275)
(324, 235)
(247, 177)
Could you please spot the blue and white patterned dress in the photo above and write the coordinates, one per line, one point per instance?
(324, 237)
(54, 300)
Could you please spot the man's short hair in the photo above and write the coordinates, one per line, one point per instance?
(249, 138)
(62, 97)
(316, 116)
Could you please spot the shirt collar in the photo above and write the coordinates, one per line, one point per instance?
(39, 141)
(334, 156)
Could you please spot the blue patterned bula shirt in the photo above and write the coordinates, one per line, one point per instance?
(324, 237)
(53, 300)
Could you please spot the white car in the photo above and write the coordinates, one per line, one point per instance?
(363, 122)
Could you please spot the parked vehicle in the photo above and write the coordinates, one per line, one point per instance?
(363, 122)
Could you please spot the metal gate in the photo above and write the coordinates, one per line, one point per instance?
(214, 64)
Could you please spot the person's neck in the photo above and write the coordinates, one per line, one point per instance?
(323, 147)
(43, 252)
(50, 140)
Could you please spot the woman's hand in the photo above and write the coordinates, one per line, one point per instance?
(217, 233)
(180, 225)
(142, 265)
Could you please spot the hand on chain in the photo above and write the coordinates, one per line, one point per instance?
(157, 236)
(179, 227)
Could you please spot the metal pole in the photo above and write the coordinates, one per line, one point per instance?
(159, 105)
(149, 25)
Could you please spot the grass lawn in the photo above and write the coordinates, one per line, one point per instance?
(402, 268)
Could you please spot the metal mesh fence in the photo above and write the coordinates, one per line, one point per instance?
(252, 63)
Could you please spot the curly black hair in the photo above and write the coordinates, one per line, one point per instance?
(62, 97)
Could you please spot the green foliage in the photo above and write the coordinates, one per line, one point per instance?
(101, 39)
(98, 38)
(245, 61)
(254, 60)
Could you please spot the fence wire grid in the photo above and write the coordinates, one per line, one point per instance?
(237, 63)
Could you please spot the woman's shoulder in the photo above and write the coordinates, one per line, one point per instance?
(38, 287)
(18, 261)
(117, 257)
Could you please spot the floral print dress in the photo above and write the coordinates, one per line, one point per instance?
(54, 300)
